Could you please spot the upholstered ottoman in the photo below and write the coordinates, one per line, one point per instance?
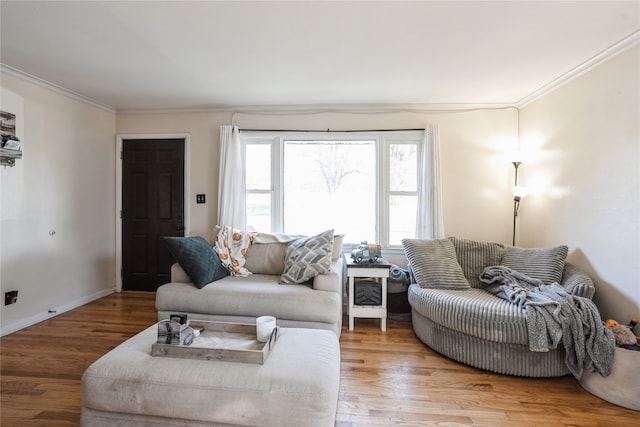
(296, 386)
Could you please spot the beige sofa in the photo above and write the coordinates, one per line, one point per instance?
(316, 304)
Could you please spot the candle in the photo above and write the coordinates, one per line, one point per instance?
(264, 326)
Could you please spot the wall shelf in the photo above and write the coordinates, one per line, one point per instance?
(8, 157)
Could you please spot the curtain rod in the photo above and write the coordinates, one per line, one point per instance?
(329, 130)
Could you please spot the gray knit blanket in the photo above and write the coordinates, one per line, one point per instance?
(554, 315)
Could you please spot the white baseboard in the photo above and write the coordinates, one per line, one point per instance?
(11, 328)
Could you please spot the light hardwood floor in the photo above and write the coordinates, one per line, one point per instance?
(387, 378)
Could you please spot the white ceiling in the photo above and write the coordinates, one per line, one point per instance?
(151, 55)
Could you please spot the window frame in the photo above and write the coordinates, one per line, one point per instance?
(382, 142)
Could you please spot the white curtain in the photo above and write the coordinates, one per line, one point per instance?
(232, 205)
(429, 223)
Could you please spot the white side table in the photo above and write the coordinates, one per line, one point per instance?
(378, 269)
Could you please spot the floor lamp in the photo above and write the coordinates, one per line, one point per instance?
(519, 192)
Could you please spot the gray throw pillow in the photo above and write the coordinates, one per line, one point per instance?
(546, 264)
(307, 257)
(474, 256)
(197, 258)
(434, 263)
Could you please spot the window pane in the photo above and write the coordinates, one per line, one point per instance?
(403, 166)
(402, 218)
(259, 211)
(258, 167)
(330, 184)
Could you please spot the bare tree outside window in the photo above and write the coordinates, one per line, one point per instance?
(333, 160)
(330, 184)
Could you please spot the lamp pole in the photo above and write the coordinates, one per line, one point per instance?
(516, 203)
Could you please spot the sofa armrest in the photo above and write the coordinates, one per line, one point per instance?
(179, 275)
(331, 281)
(577, 282)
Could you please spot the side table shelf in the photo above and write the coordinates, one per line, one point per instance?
(374, 270)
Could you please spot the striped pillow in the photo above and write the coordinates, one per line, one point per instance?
(544, 264)
(474, 256)
(434, 263)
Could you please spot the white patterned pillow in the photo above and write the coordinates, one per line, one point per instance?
(546, 264)
(434, 263)
(307, 257)
(231, 246)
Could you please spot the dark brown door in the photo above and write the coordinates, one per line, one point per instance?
(152, 207)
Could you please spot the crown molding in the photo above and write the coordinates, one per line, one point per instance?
(596, 60)
(331, 108)
(14, 72)
(419, 108)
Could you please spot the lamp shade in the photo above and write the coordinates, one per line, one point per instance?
(515, 156)
(520, 191)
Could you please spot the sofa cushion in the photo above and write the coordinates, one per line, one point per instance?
(473, 256)
(266, 258)
(275, 238)
(266, 253)
(197, 259)
(434, 263)
(263, 237)
(474, 312)
(307, 257)
(546, 264)
(251, 296)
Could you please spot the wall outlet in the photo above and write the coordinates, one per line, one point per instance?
(201, 198)
(10, 297)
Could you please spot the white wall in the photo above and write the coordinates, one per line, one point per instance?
(476, 176)
(584, 174)
(57, 216)
(585, 181)
(204, 131)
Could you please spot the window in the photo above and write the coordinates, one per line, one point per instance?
(364, 185)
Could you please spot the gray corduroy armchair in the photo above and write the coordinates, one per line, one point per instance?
(454, 316)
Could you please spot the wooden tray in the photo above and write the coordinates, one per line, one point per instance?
(223, 341)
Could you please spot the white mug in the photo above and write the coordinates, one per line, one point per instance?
(264, 326)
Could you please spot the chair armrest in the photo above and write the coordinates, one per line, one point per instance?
(577, 282)
(331, 281)
(179, 275)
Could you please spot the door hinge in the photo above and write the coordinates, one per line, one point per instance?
(121, 154)
(120, 213)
